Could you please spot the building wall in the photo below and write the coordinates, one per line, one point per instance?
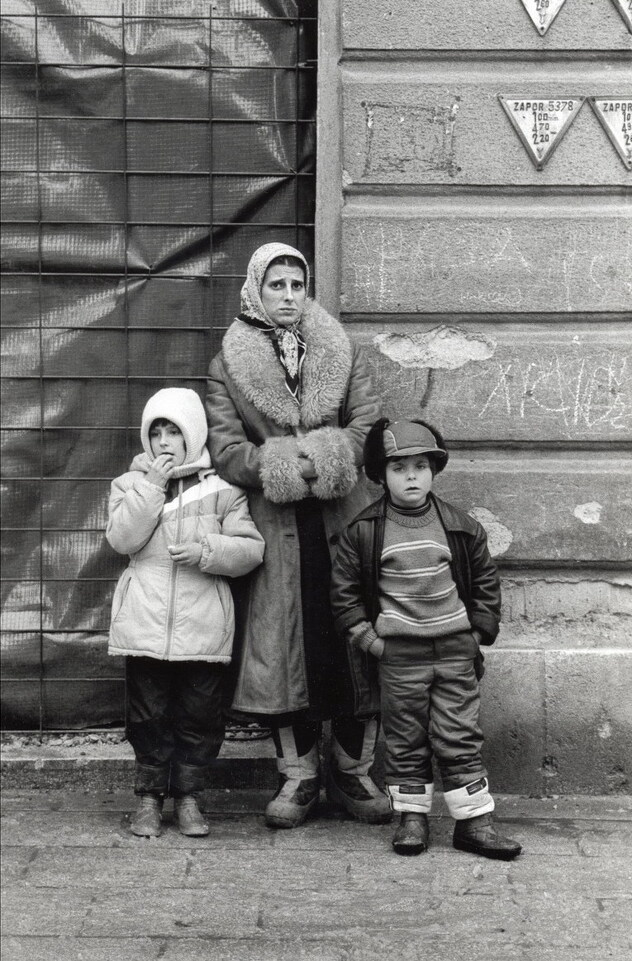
(496, 300)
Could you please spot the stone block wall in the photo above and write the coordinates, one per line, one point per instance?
(495, 300)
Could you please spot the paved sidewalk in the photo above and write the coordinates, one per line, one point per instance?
(78, 885)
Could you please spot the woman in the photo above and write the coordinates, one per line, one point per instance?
(289, 405)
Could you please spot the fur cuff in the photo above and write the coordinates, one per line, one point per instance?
(281, 471)
(331, 452)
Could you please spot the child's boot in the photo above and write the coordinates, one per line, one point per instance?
(299, 779)
(479, 836)
(147, 820)
(471, 806)
(413, 803)
(189, 818)
(411, 836)
(348, 782)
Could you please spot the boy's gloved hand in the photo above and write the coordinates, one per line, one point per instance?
(190, 554)
(160, 471)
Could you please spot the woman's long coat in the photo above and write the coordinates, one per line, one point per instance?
(257, 433)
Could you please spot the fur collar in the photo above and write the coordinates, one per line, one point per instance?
(253, 365)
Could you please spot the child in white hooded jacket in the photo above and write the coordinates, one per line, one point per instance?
(186, 531)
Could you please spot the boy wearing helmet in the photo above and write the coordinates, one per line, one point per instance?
(415, 593)
(186, 531)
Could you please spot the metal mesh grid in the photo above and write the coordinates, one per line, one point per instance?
(148, 148)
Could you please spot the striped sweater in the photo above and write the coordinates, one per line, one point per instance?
(418, 596)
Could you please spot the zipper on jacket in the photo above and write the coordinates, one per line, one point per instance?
(173, 578)
(378, 543)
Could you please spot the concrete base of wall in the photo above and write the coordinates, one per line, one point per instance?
(98, 767)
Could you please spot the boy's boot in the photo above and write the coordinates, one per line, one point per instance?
(299, 778)
(479, 836)
(413, 802)
(147, 819)
(189, 818)
(411, 836)
(348, 782)
(471, 806)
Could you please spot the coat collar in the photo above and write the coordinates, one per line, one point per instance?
(452, 518)
(253, 366)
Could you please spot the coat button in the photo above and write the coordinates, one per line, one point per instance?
(334, 538)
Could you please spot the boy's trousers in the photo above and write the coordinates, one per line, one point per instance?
(430, 705)
(174, 723)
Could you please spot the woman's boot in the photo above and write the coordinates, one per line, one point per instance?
(348, 782)
(299, 778)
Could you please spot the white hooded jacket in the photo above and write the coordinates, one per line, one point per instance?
(162, 609)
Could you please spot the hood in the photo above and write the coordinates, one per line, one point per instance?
(259, 262)
(184, 408)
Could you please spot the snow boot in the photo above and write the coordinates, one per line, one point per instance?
(299, 778)
(411, 836)
(479, 836)
(348, 783)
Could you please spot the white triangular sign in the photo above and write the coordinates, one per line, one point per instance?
(625, 9)
(541, 123)
(615, 115)
(543, 12)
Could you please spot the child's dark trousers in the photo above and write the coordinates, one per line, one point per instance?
(175, 723)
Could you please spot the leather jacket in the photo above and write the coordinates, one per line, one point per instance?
(355, 584)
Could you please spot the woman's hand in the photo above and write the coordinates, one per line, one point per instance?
(308, 471)
(160, 471)
(189, 554)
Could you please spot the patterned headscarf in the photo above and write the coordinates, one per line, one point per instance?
(288, 342)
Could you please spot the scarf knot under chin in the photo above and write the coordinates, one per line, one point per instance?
(289, 347)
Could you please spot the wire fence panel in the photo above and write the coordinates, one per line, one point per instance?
(148, 147)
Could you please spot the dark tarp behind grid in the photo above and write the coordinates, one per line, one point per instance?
(126, 136)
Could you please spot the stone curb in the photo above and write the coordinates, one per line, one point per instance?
(240, 765)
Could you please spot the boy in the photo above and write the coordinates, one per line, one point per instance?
(414, 587)
(186, 531)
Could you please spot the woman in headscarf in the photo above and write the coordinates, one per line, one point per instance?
(289, 404)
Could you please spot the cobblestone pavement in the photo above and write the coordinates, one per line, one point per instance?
(78, 885)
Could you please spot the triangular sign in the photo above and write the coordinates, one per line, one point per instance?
(541, 123)
(543, 12)
(625, 9)
(615, 115)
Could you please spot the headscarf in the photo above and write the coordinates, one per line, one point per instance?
(288, 342)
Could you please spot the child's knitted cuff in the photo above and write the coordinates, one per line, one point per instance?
(363, 636)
